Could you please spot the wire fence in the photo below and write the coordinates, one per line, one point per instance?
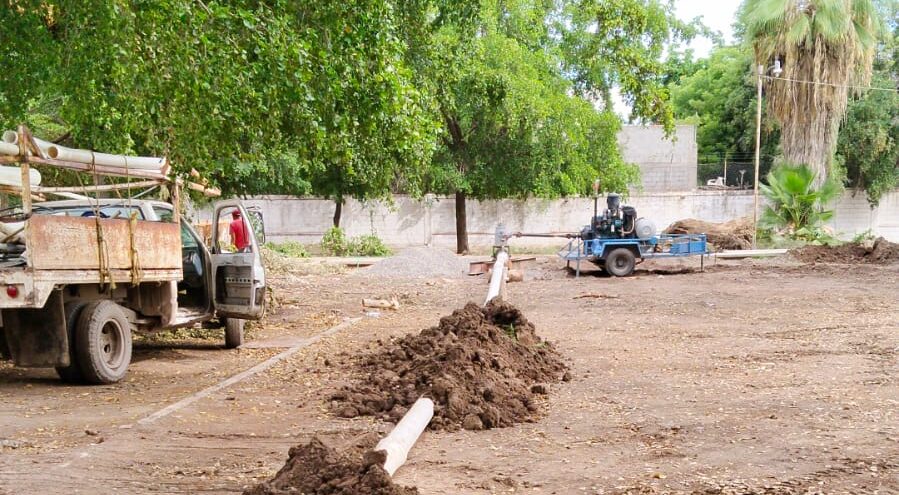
(737, 169)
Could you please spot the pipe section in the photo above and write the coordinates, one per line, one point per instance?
(498, 277)
(57, 152)
(404, 435)
(9, 149)
(12, 176)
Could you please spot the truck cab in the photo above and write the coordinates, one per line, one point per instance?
(82, 326)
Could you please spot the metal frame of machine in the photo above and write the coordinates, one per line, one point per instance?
(660, 246)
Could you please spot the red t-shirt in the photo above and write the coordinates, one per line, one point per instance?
(239, 234)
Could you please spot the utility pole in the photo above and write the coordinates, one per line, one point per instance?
(758, 145)
(725, 169)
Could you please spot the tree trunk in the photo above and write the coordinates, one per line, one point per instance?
(461, 224)
(338, 209)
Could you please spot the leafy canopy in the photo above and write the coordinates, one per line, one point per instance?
(276, 96)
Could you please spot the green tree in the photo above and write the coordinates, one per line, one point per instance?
(621, 44)
(278, 96)
(828, 43)
(721, 97)
(868, 147)
(517, 97)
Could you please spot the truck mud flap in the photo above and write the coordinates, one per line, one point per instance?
(37, 338)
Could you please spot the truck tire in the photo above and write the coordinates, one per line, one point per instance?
(72, 372)
(234, 332)
(103, 343)
(620, 262)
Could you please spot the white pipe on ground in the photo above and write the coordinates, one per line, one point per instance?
(498, 277)
(404, 435)
(57, 152)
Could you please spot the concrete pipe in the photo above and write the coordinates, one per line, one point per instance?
(12, 176)
(10, 137)
(400, 440)
(121, 161)
(9, 149)
(498, 278)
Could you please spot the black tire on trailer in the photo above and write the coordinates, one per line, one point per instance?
(72, 372)
(103, 342)
(620, 262)
(234, 332)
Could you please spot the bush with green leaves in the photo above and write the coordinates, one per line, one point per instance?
(334, 242)
(291, 249)
(797, 209)
(368, 245)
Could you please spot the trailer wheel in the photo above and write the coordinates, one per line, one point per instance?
(234, 332)
(621, 262)
(72, 372)
(103, 342)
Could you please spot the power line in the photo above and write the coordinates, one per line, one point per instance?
(832, 85)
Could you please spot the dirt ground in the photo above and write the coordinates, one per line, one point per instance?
(755, 376)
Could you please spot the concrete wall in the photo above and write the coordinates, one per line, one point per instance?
(665, 164)
(408, 222)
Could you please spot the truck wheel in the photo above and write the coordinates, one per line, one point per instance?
(103, 342)
(71, 373)
(234, 332)
(620, 262)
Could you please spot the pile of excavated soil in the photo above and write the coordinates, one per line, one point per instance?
(736, 234)
(881, 251)
(484, 367)
(317, 469)
(419, 262)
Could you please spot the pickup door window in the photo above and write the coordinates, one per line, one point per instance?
(238, 275)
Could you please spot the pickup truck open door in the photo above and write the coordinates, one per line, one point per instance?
(238, 277)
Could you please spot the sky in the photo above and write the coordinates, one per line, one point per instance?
(717, 14)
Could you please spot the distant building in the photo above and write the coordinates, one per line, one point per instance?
(666, 165)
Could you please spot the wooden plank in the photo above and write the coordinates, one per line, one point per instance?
(71, 243)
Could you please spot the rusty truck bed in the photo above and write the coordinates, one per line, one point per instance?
(64, 250)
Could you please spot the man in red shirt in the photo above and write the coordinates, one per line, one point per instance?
(239, 235)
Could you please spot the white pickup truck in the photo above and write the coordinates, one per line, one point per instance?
(78, 277)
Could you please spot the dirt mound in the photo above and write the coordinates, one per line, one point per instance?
(736, 234)
(483, 366)
(315, 468)
(881, 251)
(419, 262)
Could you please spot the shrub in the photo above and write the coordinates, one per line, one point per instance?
(292, 249)
(334, 242)
(368, 245)
(797, 209)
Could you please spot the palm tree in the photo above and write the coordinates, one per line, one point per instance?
(828, 44)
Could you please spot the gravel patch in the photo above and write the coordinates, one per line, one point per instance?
(419, 262)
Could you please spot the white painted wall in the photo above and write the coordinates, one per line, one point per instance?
(408, 222)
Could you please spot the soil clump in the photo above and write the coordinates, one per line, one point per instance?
(484, 367)
(317, 469)
(736, 234)
(881, 251)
